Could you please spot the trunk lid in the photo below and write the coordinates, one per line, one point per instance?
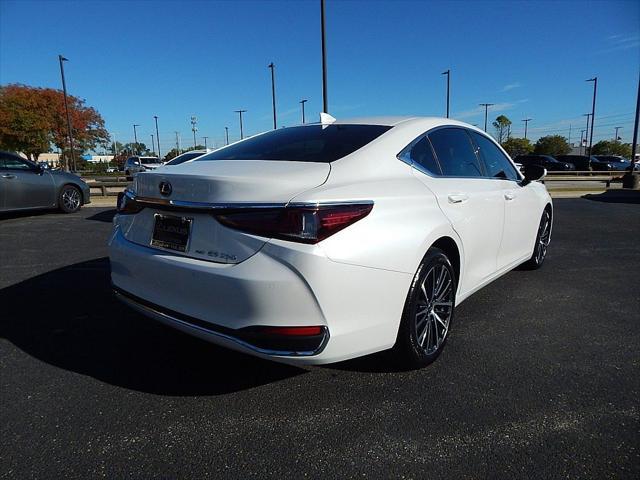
(218, 181)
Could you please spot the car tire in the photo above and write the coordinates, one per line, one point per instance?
(543, 237)
(428, 311)
(69, 199)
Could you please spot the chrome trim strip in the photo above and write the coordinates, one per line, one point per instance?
(151, 312)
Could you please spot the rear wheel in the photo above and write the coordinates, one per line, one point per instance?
(70, 199)
(428, 311)
(542, 243)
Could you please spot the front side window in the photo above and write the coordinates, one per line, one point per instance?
(9, 162)
(420, 152)
(455, 153)
(310, 143)
(496, 164)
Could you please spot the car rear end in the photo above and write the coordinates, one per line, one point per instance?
(215, 248)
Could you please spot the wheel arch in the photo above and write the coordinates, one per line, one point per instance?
(449, 246)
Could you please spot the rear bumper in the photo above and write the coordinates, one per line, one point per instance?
(282, 285)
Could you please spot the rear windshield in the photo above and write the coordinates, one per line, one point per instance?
(311, 143)
(185, 157)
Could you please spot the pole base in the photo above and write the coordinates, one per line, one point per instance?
(631, 180)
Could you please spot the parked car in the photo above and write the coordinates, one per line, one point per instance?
(546, 161)
(322, 242)
(580, 162)
(138, 164)
(185, 157)
(112, 169)
(616, 162)
(27, 185)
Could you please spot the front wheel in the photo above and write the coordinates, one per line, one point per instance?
(70, 199)
(542, 243)
(428, 311)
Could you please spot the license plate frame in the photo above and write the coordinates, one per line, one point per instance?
(171, 232)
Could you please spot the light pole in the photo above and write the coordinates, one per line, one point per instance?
(135, 137)
(586, 135)
(155, 117)
(486, 109)
(272, 67)
(177, 142)
(593, 110)
(448, 74)
(302, 102)
(226, 135)
(205, 142)
(581, 140)
(526, 124)
(325, 102)
(240, 112)
(615, 138)
(194, 129)
(153, 145)
(66, 108)
(631, 179)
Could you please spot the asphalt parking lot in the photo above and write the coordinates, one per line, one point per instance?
(540, 377)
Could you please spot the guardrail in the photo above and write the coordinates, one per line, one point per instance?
(104, 186)
(571, 173)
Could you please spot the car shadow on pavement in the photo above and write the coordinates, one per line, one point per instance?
(103, 216)
(615, 196)
(26, 213)
(70, 319)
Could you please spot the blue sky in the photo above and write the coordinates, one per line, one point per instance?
(135, 59)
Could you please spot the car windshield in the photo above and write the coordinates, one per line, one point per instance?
(185, 157)
(149, 160)
(311, 143)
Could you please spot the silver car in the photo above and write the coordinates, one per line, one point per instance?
(137, 164)
(26, 185)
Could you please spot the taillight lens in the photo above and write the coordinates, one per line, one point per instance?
(305, 224)
(127, 204)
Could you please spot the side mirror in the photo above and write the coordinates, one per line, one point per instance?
(533, 173)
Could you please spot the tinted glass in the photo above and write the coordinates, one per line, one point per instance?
(313, 143)
(496, 163)
(185, 157)
(455, 153)
(14, 163)
(420, 152)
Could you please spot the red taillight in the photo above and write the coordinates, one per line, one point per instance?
(306, 224)
(292, 331)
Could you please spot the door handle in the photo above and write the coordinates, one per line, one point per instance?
(8, 175)
(509, 196)
(457, 197)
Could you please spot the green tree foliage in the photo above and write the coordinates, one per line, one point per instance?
(552, 145)
(171, 154)
(611, 147)
(517, 146)
(503, 128)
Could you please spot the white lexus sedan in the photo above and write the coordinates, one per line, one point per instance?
(323, 242)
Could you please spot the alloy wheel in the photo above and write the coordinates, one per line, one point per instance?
(544, 237)
(434, 308)
(71, 199)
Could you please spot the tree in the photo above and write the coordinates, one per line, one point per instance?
(612, 147)
(503, 128)
(517, 146)
(552, 145)
(32, 119)
(171, 154)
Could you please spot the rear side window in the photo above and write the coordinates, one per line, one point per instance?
(496, 164)
(455, 153)
(311, 143)
(420, 152)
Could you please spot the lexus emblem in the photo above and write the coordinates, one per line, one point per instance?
(165, 188)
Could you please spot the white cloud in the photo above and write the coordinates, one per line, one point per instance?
(511, 86)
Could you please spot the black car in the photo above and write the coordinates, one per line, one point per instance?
(581, 162)
(546, 161)
(616, 162)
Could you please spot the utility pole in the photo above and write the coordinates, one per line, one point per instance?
(240, 112)
(526, 124)
(615, 138)
(581, 140)
(448, 74)
(157, 135)
(325, 102)
(593, 110)
(302, 102)
(569, 142)
(66, 108)
(205, 142)
(631, 179)
(194, 129)
(135, 137)
(226, 135)
(272, 67)
(177, 142)
(486, 109)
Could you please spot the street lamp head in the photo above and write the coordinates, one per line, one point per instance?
(591, 79)
(446, 73)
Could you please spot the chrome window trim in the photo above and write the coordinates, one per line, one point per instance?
(282, 353)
